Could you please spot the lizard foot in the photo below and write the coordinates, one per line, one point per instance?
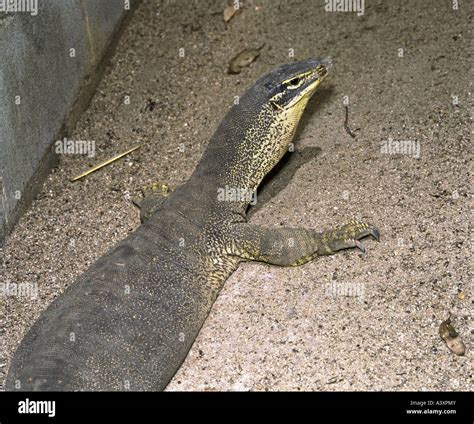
(155, 189)
(349, 235)
(153, 197)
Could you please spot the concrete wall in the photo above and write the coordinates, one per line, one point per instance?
(44, 85)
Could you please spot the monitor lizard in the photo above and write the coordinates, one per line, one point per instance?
(130, 320)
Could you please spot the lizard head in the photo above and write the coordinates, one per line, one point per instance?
(277, 101)
(258, 130)
(289, 87)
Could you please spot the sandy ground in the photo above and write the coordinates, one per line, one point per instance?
(344, 322)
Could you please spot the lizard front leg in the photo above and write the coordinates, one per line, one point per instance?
(296, 246)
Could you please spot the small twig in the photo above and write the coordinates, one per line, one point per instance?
(107, 162)
(335, 379)
(346, 124)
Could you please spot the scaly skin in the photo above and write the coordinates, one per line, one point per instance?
(129, 321)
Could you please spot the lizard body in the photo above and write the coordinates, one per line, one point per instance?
(129, 321)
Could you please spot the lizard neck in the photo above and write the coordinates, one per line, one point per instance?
(250, 141)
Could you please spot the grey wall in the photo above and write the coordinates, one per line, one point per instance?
(35, 64)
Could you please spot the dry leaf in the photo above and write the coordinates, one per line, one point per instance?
(451, 337)
(243, 59)
(230, 12)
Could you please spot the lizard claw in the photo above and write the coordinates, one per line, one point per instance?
(361, 247)
(349, 235)
(374, 232)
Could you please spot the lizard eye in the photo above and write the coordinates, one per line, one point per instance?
(294, 83)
